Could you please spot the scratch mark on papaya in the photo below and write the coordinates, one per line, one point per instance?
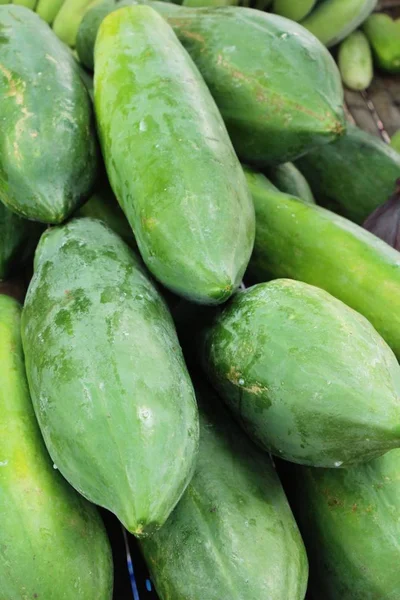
(51, 58)
(193, 36)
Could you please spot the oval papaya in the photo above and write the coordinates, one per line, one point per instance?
(43, 99)
(107, 377)
(308, 377)
(288, 179)
(332, 21)
(355, 61)
(314, 245)
(173, 169)
(277, 87)
(354, 175)
(383, 33)
(233, 514)
(53, 543)
(350, 523)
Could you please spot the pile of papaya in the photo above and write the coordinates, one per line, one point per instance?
(199, 301)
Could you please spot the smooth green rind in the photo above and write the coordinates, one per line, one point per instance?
(27, 3)
(333, 20)
(293, 9)
(16, 239)
(395, 141)
(42, 99)
(232, 535)
(350, 523)
(278, 89)
(309, 378)
(53, 543)
(309, 243)
(68, 19)
(288, 179)
(108, 381)
(354, 175)
(88, 28)
(355, 61)
(383, 33)
(48, 9)
(169, 159)
(103, 205)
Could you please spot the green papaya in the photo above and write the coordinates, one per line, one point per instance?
(278, 89)
(68, 19)
(17, 237)
(173, 170)
(350, 522)
(103, 205)
(309, 243)
(293, 9)
(27, 3)
(287, 178)
(395, 141)
(53, 543)
(321, 404)
(232, 516)
(107, 377)
(332, 21)
(355, 61)
(43, 99)
(354, 175)
(383, 33)
(48, 9)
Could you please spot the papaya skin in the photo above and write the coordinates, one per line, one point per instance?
(53, 542)
(263, 71)
(355, 266)
(173, 170)
(305, 400)
(349, 521)
(233, 503)
(42, 99)
(108, 410)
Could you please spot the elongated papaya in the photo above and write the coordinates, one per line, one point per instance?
(278, 89)
(355, 61)
(293, 9)
(288, 179)
(354, 175)
(332, 21)
(395, 141)
(107, 376)
(309, 243)
(53, 543)
(232, 516)
(68, 19)
(308, 401)
(42, 99)
(31, 4)
(383, 33)
(350, 523)
(16, 237)
(103, 205)
(48, 9)
(173, 169)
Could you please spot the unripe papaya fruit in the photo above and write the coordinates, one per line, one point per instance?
(114, 401)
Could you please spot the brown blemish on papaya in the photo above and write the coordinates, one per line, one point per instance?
(255, 388)
(354, 508)
(13, 91)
